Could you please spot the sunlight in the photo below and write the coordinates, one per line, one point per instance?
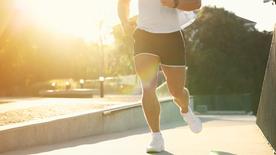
(77, 17)
(4, 16)
(82, 17)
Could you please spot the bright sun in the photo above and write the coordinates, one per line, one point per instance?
(81, 18)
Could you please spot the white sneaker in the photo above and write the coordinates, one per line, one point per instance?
(193, 121)
(157, 143)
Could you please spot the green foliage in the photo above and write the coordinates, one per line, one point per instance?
(225, 56)
(123, 57)
(30, 55)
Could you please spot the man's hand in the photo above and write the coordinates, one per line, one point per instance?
(128, 28)
(167, 3)
(185, 5)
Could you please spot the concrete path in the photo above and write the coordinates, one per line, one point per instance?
(222, 135)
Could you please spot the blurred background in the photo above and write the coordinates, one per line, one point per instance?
(76, 45)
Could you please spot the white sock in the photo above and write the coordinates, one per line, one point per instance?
(156, 134)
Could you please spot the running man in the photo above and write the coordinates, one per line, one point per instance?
(159, 41)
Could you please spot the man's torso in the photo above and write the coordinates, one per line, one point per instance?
(156, 18)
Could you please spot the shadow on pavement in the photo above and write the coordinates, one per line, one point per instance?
(94, 140)
(220, 153)
(162, 153)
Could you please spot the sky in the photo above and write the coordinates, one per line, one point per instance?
(89, 19)
(264, 14)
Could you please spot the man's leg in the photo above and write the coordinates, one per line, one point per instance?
(147, 66)
(176, 78)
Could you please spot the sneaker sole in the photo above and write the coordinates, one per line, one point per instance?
(152, 150)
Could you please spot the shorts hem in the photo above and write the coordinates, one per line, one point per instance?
(174, 65)
(145, 53)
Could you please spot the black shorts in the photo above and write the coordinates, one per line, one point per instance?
(169, 47)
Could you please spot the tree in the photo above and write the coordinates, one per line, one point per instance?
(123, 57)
(224, 55)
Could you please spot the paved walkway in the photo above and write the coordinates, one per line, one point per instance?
(222, 135)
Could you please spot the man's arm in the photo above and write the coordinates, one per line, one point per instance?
(123, 13)
(186, 5)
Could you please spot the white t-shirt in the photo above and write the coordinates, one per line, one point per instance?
(155, 18)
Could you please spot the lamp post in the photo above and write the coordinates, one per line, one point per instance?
(67, 85)
(53, 86)
(101, 67)
(81, 83)
(101, 79)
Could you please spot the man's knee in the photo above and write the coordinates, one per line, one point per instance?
(149, 90)
(149, 86)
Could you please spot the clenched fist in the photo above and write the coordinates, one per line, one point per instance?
(168, 3)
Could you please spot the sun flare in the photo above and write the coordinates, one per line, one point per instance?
(81, 18)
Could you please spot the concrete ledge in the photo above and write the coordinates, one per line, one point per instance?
(59, 129)
(71, 93)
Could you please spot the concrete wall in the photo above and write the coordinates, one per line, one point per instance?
(86, 124)
(52, 131)
(266, 117)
